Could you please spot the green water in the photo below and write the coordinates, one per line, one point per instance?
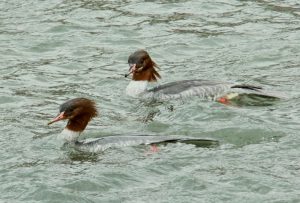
(52, 51)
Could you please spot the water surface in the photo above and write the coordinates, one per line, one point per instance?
(52, 51)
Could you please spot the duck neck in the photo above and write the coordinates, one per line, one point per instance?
(136, 87)
(75, 127)
(78, 123)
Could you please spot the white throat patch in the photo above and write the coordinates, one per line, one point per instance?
(68, 135)
(134, 88)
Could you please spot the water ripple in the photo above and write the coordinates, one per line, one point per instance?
(54, 51)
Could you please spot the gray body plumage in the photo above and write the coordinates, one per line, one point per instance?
(103, 143)
(203, 89)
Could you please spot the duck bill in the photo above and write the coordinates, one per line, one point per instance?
(132, 69)
(60, 116)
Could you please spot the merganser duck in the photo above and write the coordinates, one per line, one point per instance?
(144, 71)
(80, 111)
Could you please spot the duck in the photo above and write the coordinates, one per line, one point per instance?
(80, 111)
(145, 71)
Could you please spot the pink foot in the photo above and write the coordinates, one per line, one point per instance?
(154, 148)
(223, 100)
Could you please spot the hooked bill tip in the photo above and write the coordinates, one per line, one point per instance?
(50, 122)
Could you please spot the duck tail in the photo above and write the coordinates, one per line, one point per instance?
(249, 87)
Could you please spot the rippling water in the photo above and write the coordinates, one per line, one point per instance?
(52, 51)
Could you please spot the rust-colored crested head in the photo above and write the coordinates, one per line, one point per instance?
(142, 66)
(78, 111)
